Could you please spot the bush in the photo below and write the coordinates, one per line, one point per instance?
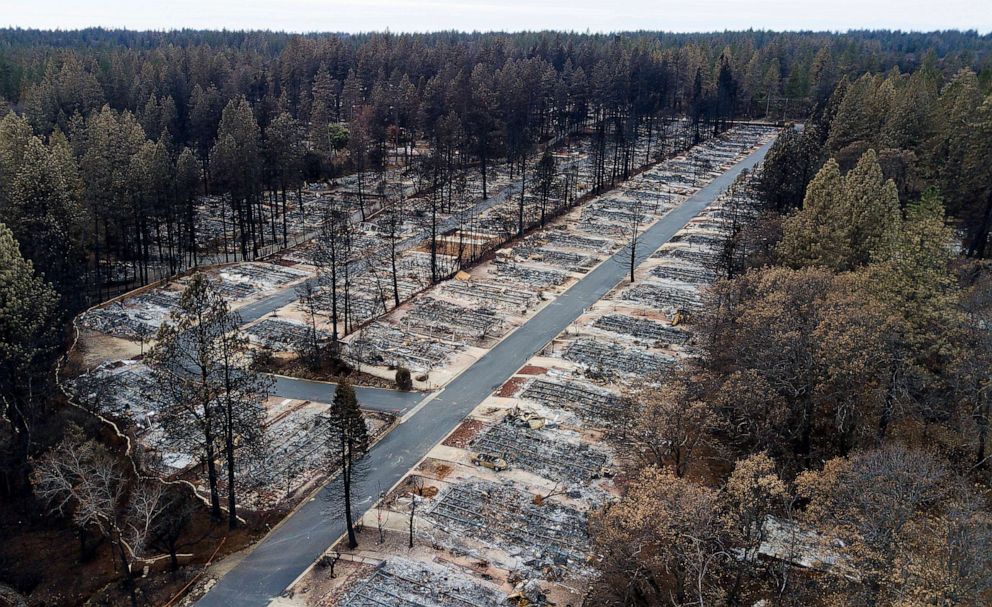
(403, 380)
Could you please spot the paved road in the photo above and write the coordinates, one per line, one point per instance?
(286, 552)
(380, 399)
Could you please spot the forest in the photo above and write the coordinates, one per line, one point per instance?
(843, 384)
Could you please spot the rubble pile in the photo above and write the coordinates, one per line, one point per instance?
(567, 240)
(663, 297)
(565, 260)
(604, 358)
(491, 293)
(641, 328)
(399, 582)
(283, 335)
(119, 389)
(692, 274)
(546, 452)
(590, 402)
(441, 317)
(533, 277)
(506, 517)
(137, 317)
(389, 346)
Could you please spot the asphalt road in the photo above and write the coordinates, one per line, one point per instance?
(379, 399)
(288, 550)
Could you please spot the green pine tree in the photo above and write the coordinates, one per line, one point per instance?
(844, 219)
(348, 439)
(29, 317)
(870, 210)
(817, 234)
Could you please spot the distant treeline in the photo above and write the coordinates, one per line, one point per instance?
(112, 135)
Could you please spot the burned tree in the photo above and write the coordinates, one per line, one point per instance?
(81, 480)
(242, 394)
(209, 396)
(178, 507)
(545, 173)
(667, 424)
(331, 258)
(631, 229)
(393, 221)
(309, 300)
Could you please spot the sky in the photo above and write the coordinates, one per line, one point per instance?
(500, 15)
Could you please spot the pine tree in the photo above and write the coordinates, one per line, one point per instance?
(187, 187)
(871, 209)
(286, 152)
(348, 439)
(47, 219)
(861, 114)
(242, 392)
(15, 133)
(29, 321)
(977, 165)
(817, 234)
(235, 163)
(210, 399)
(844, 219)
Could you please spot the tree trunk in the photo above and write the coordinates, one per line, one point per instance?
(232, 514)
(126, 565)
(523, 191)
(392, 260)
(346, 478)
(334, 289)
(980, 240)
(215, 512)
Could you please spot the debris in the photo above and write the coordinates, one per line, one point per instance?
(389, 346)
(641, 328)
(555, 537)
(591, 403)
(400, 582)
(550, 454)
(283, 335)
(604, 358)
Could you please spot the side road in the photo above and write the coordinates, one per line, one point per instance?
(379, 399)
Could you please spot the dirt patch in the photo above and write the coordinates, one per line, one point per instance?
(413, 484)
(532, 370)
(511, 387)
(464, 434)
(435, 468)
(94, 348)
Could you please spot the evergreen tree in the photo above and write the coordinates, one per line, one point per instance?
(29, 321)
(844, 219)
(15, 133)
(788, 167)
(347, 440)
(871, 209)
(816, 235)
(47, 219)
(210, 400)
(235, 162)
(285, 152)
